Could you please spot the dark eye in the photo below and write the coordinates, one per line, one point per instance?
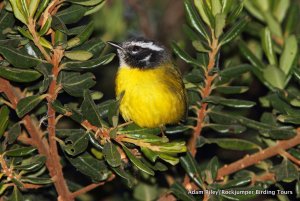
(136, 48)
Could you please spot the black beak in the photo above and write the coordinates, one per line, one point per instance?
(116, 45)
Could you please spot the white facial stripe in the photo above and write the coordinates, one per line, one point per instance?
(148, 45)
(147, 58)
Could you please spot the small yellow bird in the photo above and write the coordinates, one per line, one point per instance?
(154, 93)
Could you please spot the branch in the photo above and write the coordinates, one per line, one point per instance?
(205, 92)
(90, 187)
(259, 156)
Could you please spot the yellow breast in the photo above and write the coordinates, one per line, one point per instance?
(152, 97)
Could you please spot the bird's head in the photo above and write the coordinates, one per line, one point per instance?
(141, 53)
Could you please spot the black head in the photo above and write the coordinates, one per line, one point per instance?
(141, 53)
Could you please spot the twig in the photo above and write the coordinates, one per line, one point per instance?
(205, 92)
(90, 187)
(290, 157)
(259, 156)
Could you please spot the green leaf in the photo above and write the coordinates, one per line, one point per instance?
(151, 155)
(212, 169)
(203, 13)
(41, 8)
(168, 158)
(46, 70)
(176, 129)
(289, 119)
(232, 89)
(95, 9)
(286, 171)
(183, 55)
(273, 24)
(75, 83)
(135, 129)
(37, 180)
(235, 11)
(81, 37)
(235, 129)
(181, 193)
(46, 26)
(88, 65)
(31, 164)
(288, 55)
(125, 175)
(4, 117)
(27, 104)
(257, 63)
(61, 29)
(94, 46)
(72, 14)
(280, 9)
(20, 151)
(235, 71)
(291, 19)
(111, 154)
(17, 12)
(7, 20)
(33, 5)
(220, 24)
(237, 183)
(17, 58)
(90, 111)
(19, 75)
(86, 2)
(16, 195)
(137, 162)
(76, 143)
(267, 45)
(234, 31)
(145, 192)
(13, 133)
(194, 19)
(90, 166)
(78, 55)
(274, 76)
(172, 147)
(236, 103)
(191, 167)
(233, 144)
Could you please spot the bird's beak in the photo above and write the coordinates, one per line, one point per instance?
(116, 45)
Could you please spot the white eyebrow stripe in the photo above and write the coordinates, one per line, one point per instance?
(147, 58)
(148, 45)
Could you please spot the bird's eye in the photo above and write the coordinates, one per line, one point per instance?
(136, 48)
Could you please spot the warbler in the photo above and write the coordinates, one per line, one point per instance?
(154, 93)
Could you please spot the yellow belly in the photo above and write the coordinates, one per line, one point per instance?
(152, 97)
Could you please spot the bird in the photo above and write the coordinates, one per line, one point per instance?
(153, 92)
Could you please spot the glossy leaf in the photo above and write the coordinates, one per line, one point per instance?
(125, 175)
(7, 20)
(151, 155)
(235, 129)
(212, 169)
(33, 5)
(137, 162)
(135, 129)
(4, 117)
(233, 144)
(27, 104)
(288, 55)
(21, 151)
(183, 55)
(16, 195)
(181, 193)
(81, 37)
(43, 4)
(76, 143)
(94, 46)
(191, 167)
(274, 76)
(72, 14)
(13, 133)
(236, 103)
(78, 55)
(90, 166)
(220, 24)
(17, 58)
(232, 89)
(45, 28)
(234, 31)
(32, 164)
(46, 70)
(267, 45)
(90, 111)
(17, 12)
(145, 192)
(75, 83)
(286, 171)
(37, 180)
(88, 65)
(112, 154)
(86, 2)
(234, 71)
(194, 19)
(19, 75)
